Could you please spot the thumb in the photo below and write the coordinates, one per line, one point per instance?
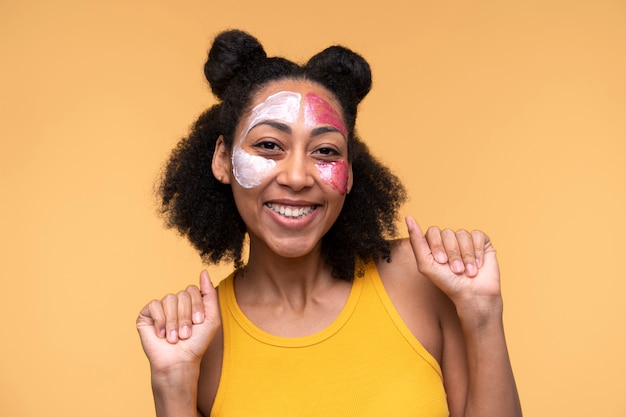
(420, 246)
(209, 294)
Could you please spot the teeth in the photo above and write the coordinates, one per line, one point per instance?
(291, 212)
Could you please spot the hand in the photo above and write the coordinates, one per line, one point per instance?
(462, 264)
(179, 328)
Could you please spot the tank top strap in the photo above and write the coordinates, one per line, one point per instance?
(375, 283)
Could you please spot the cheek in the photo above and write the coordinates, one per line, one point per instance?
(250, 170)
(335, 174)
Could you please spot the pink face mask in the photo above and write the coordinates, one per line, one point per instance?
(335, 174)
(317, 111)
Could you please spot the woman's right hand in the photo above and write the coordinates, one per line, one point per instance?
(179, 328)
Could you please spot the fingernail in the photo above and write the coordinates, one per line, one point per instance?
(197, 317)
(173, 335)
(440, 257)
(185, 332)
(162, 333)
(471, 269)
(457, 266)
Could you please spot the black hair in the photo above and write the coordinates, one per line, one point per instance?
(203, 209)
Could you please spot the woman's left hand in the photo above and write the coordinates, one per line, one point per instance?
(462, 264)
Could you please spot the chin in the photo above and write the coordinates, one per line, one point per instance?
(292, 250)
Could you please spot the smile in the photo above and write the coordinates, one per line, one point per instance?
(290, 211)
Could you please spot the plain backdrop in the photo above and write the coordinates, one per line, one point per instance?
(501, 115)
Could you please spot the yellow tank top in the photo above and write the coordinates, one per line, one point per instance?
(366, 363)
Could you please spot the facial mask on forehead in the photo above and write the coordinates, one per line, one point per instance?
(319, 111)
(249, 170)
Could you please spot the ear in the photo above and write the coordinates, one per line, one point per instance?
(221, 164)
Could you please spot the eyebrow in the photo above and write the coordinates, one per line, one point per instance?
(276, 125)
(325, 129)
(285, 128)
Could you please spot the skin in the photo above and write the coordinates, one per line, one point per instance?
(445, 284)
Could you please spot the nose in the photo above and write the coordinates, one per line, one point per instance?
(296, 172)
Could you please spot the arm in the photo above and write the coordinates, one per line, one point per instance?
(176, 391)
(465, 268)
(175, 333)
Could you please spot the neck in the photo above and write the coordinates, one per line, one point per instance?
(270, 278)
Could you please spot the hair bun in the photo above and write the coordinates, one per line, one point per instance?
(231, 52)
(342, 71)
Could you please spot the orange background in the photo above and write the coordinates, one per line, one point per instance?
(500, 115)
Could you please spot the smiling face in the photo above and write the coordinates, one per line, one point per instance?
(289, 167)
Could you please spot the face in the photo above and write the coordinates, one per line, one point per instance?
(288, 168)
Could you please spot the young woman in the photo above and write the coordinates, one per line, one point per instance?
(328, 316)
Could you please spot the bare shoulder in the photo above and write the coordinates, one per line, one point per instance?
(402, 279)
(422, 306)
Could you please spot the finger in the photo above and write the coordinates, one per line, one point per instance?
(184, 315)
(451, 245)
(197, 307)
(154, 311)
(435, 240)
(480, 241)
(209, 296)
(170, 307)
(418, 241)
(468, 253)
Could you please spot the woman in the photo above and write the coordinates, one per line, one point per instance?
(328, 315)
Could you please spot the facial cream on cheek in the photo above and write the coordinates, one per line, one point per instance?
(335, 174)
(250, 170)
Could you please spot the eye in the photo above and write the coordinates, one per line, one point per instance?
(267, 145)
(327, 151)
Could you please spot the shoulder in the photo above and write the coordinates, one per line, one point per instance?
(400, 275)
(421, 305)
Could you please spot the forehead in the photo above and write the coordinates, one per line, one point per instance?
(297, 86)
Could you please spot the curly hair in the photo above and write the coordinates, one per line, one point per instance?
(203, 209)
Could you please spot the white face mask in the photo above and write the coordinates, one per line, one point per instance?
(250, 170)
